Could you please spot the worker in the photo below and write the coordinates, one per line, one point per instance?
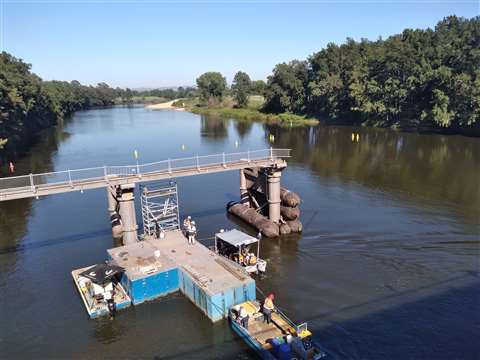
(187, 227)
(244, 256)
(191, 233)
(251, 259)
(186, 222)
(243, 317)
(267, 308)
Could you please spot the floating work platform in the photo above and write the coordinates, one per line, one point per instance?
(97, 306)
(156, 267)
(148, 274)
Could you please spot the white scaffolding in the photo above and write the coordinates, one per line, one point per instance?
(160, 211)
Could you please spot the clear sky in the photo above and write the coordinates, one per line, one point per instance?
(169, 43)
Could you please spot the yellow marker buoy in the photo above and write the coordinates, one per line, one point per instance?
(358, 137)
(353, 137)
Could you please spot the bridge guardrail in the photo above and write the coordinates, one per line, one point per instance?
(80, 175)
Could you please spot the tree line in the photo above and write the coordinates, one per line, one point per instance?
(28, 104)
(170, 93)
(419, 79)
(212, 87)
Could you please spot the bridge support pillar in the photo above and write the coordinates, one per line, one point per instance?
(243, 188)
(127, 213)
(273, 191)
(112, 200)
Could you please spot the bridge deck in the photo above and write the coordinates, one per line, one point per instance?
(34, 185)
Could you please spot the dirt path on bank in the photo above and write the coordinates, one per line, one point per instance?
(165, 105)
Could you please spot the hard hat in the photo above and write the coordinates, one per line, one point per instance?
(189, 217)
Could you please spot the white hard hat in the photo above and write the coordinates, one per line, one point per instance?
(189, 217)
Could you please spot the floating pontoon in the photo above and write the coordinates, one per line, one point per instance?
(236, 246)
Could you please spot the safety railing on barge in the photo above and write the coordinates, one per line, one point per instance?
(169, 166)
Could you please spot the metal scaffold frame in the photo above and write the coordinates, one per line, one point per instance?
(160, 209)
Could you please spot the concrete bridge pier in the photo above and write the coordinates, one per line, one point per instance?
(112, 199)
(273, 195)
(127, 213)
(244, 198)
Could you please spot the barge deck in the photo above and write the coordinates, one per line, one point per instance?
(156, 267)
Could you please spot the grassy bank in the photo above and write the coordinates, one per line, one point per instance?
(226, 109)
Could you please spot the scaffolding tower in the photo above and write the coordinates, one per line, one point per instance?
(160, 210)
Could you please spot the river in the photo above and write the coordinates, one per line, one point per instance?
(387, 266)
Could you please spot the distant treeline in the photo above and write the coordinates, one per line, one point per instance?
(28, 104)
(170, 94)
(417, 79)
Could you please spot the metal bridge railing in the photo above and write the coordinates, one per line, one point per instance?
(166, 166)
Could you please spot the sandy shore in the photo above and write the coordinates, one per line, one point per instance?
(165, 105)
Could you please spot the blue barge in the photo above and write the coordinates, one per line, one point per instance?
(157, 267)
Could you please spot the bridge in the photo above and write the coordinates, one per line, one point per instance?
(120, 181)
(35, 185)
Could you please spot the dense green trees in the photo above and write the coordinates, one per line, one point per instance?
(420, 78)
(28, 104)
(180, 92)
(241, 88)
(258, 87)
(212, 86)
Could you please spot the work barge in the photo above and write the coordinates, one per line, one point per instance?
(160, 261)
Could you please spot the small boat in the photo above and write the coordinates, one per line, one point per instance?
(279, 340)
(100, 289)
(237, 246)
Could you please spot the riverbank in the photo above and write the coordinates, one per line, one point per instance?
(251, 113)
(165, 105)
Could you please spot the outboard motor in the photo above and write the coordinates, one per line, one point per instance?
(112, 307)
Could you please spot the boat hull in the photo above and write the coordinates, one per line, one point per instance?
(250, 341)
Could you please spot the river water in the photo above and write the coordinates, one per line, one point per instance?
(387, 266)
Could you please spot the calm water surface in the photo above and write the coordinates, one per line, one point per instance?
(387, 266)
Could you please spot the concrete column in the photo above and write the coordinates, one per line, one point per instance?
(273, 183)
(112, 202)
(127, 212)
(243, 188)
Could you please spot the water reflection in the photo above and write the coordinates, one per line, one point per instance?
(382, 216)
(15, 214)
(243, 128)
(213, 128)
(432, 169)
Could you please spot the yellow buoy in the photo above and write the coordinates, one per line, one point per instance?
(358, 137)
(353, 137)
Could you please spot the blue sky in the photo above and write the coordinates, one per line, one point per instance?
(166, 43)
